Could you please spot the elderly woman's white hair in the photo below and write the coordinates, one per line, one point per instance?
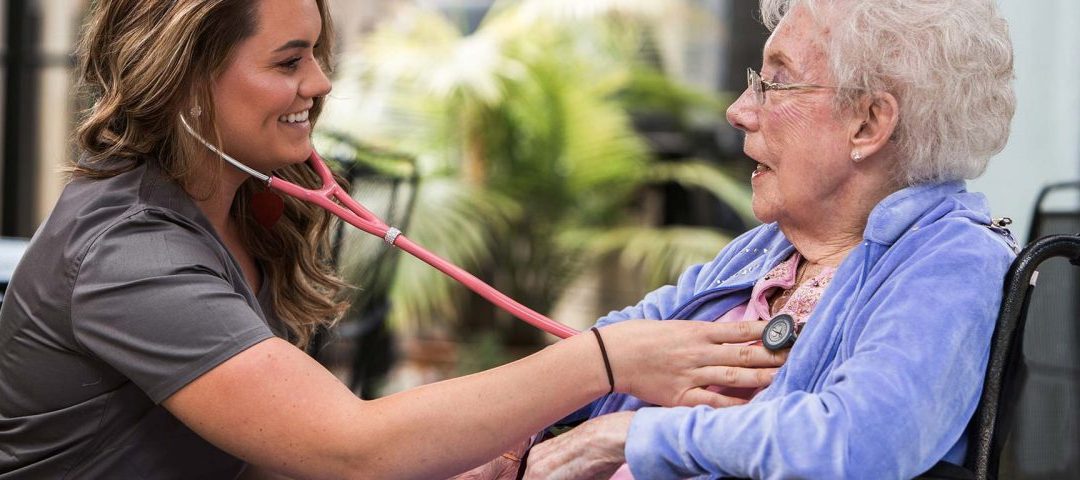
(948, 62)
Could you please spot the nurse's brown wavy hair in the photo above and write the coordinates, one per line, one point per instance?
(144, 62)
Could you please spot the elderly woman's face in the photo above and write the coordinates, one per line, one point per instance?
(798, 139)
(263, 95)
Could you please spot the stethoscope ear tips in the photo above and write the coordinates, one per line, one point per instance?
(779, 333)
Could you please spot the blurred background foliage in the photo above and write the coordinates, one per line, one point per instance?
(524, 157)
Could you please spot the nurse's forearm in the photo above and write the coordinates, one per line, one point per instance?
(457, 424)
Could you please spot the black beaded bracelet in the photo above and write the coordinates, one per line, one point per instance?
(607, 363)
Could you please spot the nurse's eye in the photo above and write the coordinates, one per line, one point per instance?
(290, 64)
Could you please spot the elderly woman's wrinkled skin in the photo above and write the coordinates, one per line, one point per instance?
(806, 179)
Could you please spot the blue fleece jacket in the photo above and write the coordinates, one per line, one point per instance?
(887, 372)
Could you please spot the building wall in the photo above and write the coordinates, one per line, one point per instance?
(56, 119)
(1044, 146)
(3, 78)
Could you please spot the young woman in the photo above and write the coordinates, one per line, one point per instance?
(152, 328)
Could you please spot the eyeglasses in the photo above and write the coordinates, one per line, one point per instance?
(759, 86)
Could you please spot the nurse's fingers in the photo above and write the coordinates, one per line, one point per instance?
(734, 376)
(736, 332)
(750, 356)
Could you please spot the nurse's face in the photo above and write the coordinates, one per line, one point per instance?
(263, 96)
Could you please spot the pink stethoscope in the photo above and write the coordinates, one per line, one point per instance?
(337, 201)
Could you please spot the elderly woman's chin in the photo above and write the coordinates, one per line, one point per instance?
(765, 213)
(765, 205)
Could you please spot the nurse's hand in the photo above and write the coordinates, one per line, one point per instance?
(593, 450)
(670, 363)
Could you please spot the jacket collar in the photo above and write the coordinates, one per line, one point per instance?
(898, 212)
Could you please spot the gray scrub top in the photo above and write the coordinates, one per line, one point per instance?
(124, 296)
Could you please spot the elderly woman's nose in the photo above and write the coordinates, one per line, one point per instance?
(742, 114)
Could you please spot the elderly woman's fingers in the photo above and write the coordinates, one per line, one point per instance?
(503, 467)
(593, 450)
(701, 396)
(734, 376)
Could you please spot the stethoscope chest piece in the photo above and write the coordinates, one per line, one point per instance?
(779, 332)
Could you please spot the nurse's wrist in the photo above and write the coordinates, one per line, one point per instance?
(587, 364)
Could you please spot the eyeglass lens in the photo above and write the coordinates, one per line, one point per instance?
(753, 82)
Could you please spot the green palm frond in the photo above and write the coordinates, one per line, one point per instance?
(557, 11)
(659, 253)
(602, 148)
(654, 28)
(430, 53)
(458, 223)
(699, 174)
(653, 91)
(562, 140)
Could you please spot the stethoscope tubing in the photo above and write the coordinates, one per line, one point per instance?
(332, 198)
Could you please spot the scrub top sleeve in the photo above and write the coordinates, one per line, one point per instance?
(151, 299)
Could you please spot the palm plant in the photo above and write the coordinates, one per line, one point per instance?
(530, 170)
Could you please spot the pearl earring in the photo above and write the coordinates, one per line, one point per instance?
(856, 156)
(196, 111)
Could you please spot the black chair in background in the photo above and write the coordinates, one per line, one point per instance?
(1028, 422)
(1049, 220)
(361, 348)
(1023, 393)
(11, 250)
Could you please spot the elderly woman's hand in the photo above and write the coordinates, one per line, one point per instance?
(593, 450)
(503, 467)
(669, 363)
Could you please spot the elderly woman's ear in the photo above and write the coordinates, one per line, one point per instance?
(873, 124)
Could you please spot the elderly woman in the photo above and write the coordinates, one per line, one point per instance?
(865, 119)
(154, 328)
